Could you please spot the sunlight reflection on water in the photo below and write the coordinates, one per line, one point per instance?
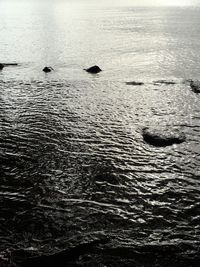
(74, 165)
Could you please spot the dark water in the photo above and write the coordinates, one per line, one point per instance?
(74, 168)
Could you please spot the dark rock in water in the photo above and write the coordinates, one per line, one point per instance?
(164, 82)
(162, 139)
(2, 65)
(195, 86)
(94, 69)
(134, 83)
(47, 69)
(10, 64)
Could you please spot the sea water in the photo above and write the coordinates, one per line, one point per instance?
(74, 166)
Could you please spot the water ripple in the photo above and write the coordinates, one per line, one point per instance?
(73, 161)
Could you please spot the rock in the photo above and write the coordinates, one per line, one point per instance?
(94, 69)
(10, 64)
(134, 83)
(164, 82)
(47, 69)
(1, 66)
(162, 139)
(195, 86)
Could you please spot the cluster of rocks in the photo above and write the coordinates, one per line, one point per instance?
(159, 82)
(195, 85)
(150, 136)
(94, 69)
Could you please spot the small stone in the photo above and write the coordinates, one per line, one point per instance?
(164, 82)
(94, 69)
(134, 83)
(47, 69)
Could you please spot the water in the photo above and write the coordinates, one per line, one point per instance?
(74, 166)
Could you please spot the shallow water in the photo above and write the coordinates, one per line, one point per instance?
(74, 166)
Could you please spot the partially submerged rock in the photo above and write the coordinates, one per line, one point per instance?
(47, 69)
(195, 86)
(164, 82)
(10, 64)
(134, 83)
(94, 69)
(162, 138)
(2, 65)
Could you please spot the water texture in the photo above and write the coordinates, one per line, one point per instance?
(76, 174)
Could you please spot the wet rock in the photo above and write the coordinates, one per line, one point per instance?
(47, 69)
(195, 86)
(134, 83)
(94, 69)
(162, 139)
(164, 82)
(10, 64)
(1, 66)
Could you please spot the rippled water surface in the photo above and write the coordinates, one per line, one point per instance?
(74, 167)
